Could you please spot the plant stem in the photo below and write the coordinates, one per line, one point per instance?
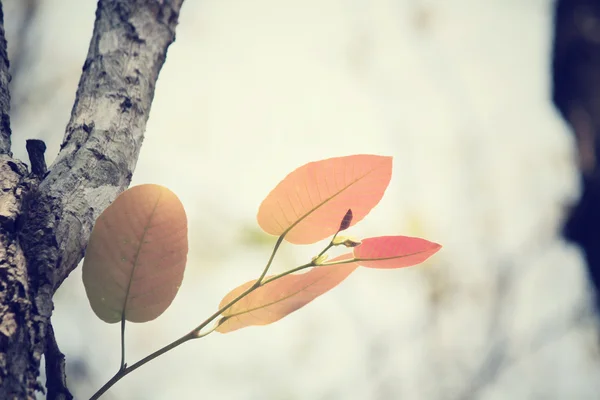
(122, 342)
(222, 310)
(348, 261)
(131, 368)
(330, 245)
(308, 265)
(277, 244)
(291, 271)
(195, 334)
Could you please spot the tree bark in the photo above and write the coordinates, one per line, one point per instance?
(4, 93)
(576, 94)
(46, 218)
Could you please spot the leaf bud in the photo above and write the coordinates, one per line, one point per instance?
(346, 221)
(318, 260)
(347, 241)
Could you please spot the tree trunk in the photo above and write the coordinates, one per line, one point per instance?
(46, 217)
(576, 94)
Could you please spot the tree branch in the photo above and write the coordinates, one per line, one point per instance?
(104, 135)
(56, 377)
(4, 93)
(49, 224)
(36, 149)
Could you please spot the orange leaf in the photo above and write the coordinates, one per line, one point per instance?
(281, 297)
(394, 251)
(311, 202)
(136, 255)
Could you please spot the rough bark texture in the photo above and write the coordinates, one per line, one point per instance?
(576, 93)
(56, 377)
(36, 149)
(44, 228)
(4, 93)
(16, 365)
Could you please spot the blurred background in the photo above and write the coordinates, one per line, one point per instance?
(458, 91)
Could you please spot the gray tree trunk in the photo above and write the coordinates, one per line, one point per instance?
(46, 216)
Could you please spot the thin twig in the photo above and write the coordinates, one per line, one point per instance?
(197, 332)
(122, 342)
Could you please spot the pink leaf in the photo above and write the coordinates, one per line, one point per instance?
(309, 204)
(394, 251)
(281, 297)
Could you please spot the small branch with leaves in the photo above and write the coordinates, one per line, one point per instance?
(137, 252)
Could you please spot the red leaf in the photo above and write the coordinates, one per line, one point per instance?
(310, 202)
(281, 297)
(394, 251)
(136, 255)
